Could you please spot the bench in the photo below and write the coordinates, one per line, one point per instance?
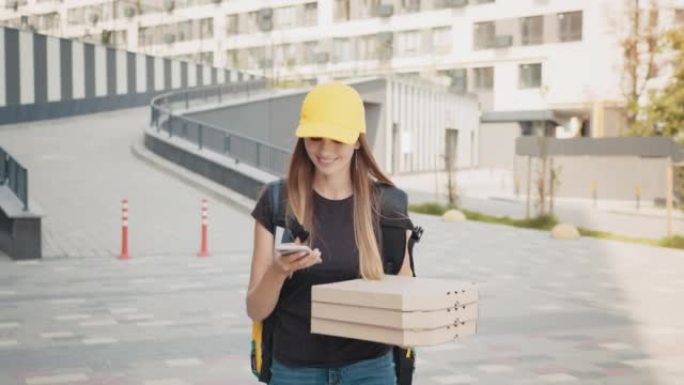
(20, 230)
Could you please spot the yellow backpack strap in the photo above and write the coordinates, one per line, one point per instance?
(256, 345)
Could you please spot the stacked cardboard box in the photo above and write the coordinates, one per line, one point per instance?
(396, 310)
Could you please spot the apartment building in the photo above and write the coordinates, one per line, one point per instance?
(537, 66)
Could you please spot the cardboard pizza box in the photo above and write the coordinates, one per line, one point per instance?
(392, 318)
(399, 337)
(400, 293)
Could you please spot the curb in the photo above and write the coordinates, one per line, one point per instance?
(208, 187)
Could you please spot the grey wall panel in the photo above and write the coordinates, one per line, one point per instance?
(149, 68)
(40, 68)
(167, 74)
(111, 71)
(200, 74)
(12, 85)
(272, 121)
(89, 70)
(130, 60)
(248, 186)
(184, 75)
(239, 76)
(213, 76)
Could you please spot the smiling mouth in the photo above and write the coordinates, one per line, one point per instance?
(325, 161)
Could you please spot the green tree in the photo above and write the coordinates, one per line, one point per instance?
(664, 114)
(641, 49)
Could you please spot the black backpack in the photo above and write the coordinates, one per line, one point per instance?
(394, 222)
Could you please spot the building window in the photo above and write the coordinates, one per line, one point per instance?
(483, 78)
(411, 5)
(206, 28)
(342, 50)
(308, 52)
(570, 26)
(310, 14)
(530, 75)
(484, 35)
(408, 43)
(367, 47)
(441, 39)
(459, 80)
(532, 30)
(285, 17)
(232, 25)
(256, 58)
(341, 10)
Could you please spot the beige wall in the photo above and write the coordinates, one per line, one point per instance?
(497, 144)
(616, 177)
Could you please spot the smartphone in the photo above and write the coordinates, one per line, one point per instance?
(291, 248)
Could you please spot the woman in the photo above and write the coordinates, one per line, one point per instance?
(332, 191)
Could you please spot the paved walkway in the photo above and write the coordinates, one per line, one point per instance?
(81, 168)
(492, 192)
(583, 312)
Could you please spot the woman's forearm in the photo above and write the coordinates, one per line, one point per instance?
(262, 298)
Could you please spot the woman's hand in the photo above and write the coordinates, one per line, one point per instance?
(288, 264)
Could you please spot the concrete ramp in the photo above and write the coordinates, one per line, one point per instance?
(81, 168)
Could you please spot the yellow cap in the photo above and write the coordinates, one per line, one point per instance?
(334, 111)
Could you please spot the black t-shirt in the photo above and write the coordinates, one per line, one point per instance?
(294, 345)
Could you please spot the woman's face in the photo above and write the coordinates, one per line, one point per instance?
(329, 156)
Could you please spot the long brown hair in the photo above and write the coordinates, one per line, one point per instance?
(364, 171)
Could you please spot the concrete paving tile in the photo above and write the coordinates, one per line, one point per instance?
(557, 378)
(58, 335)
(9, 325)
(495, 368)
(8, 343)
(72, 317)
(96, 323)
(183, 362)
(99, 340)
(167, 381)
(454, 379)
(57, 379)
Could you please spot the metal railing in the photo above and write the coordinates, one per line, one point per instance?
(15, 176)
(220, 140)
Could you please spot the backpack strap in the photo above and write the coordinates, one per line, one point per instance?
(281, 218)
(394, 222)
